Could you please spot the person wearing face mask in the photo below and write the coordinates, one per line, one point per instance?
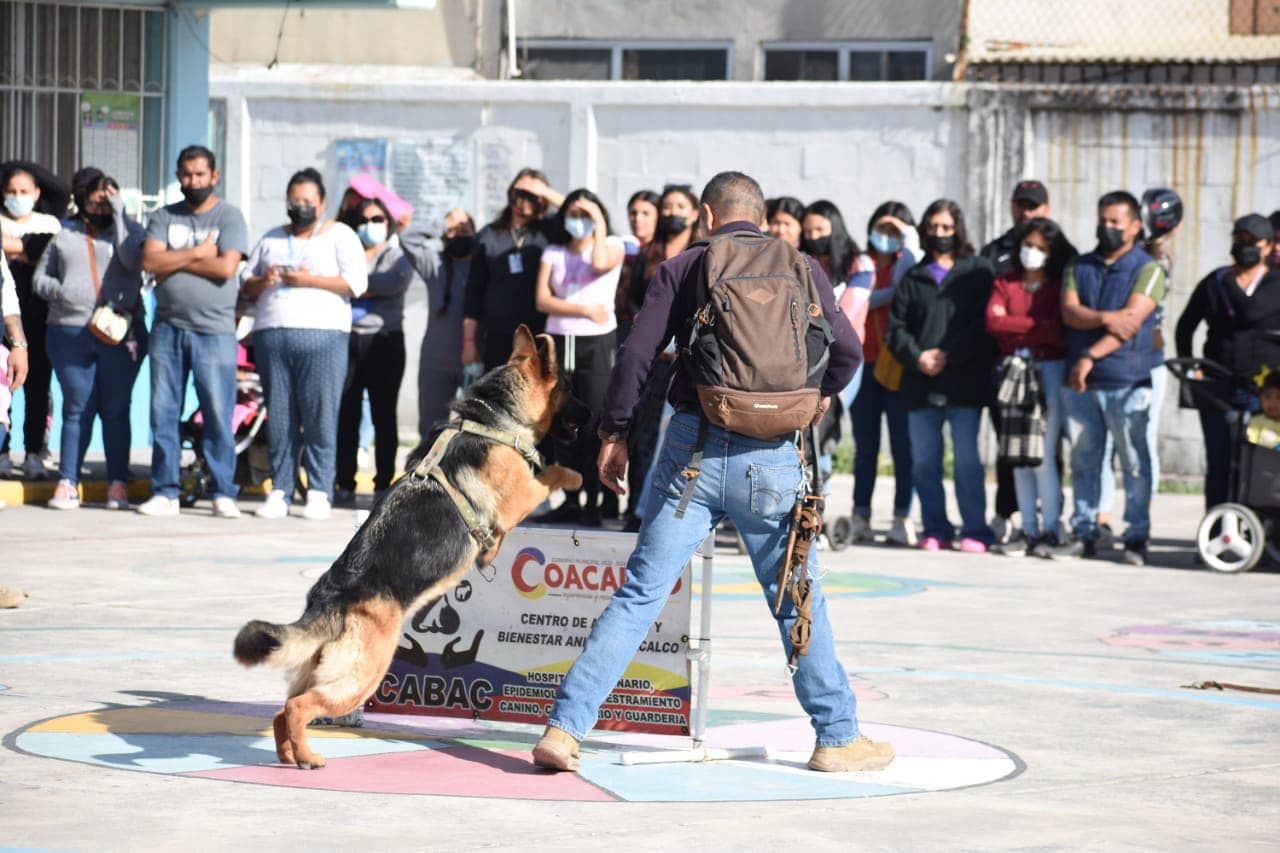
(937, 332)
(1109, 297)
(823, 236)
(376, 353)
(577, 281)
(892, 249)
(95, 259)
(785, 215)
(643, 211)
(1239, 304)
(1024, 315)
(27, 230)
(193, 248)
(674, 234)
(504, 271)
(302, 278)
(439, 371)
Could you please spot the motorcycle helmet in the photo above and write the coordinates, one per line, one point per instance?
(1161, 212)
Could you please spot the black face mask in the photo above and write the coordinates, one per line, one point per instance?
(460, 246)
(818, 247)
(1109, 239)
(100, 221)
(939, 244)
(302, 215)
(197, 196)
(670, 226)
(1246, 255)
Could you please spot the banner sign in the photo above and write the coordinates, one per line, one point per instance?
(497, 646)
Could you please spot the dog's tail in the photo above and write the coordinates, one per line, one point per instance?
(283, 645)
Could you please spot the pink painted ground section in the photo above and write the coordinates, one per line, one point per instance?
(460, 771)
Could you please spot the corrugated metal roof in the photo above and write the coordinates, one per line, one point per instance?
(1110, 31)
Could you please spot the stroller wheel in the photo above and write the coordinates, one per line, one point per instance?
(1231, 538)
(840, 534)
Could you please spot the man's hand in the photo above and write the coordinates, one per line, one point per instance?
(823, 405)
(1076, 379)
(17, 372)
(612, 466)
(207, 249)
(1123, 324)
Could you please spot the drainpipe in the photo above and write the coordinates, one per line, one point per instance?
(513, 71)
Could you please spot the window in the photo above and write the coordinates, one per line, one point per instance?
(587, 60)
(853, 61)
(83, 85)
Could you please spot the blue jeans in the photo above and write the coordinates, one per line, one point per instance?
(754, 483)
(925, 426)
(1092, 416)
(1042, 485)
(302, 373)
(210, 360)
(873, 402)
(1107, 501)
(96, 380)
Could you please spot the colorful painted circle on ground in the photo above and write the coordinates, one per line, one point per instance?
(396, 754)
(734, 579)
(1235, 641)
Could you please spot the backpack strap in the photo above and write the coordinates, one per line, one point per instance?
(694, 468)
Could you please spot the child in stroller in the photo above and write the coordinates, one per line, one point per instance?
(1236, 535)
(253, 464)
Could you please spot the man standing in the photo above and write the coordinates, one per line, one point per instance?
(751, 481)
(1109, 298)
(193, 248)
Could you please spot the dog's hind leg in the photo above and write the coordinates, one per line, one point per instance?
(284, 749)
(297, 712)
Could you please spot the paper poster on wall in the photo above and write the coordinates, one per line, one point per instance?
(360, 157)
(109, 134)
(497, 646)
(434, 175)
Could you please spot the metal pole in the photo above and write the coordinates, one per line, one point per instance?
(512, 71)
(704, 645)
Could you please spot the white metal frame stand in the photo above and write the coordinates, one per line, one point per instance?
(701, 658)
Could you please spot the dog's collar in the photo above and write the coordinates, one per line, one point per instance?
(516, 442)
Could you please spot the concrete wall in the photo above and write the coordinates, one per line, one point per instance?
(856, 145)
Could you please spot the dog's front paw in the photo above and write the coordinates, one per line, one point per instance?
(570, 479)
(560, 477)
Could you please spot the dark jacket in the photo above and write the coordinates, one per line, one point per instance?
(951, 317)
(1106, 286)
(501, 287)
(671, 299)
(1002, 252)
(1243, 331)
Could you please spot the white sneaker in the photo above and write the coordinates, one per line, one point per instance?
(274, 506)
(6, 465)
(862, 531)
(33, 467)
(317, 508)
(225, 507)
(65, 496)
(903, 531)
(159, 505)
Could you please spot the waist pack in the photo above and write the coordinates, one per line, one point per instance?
(758, 344)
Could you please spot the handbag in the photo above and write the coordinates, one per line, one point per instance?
(888, 370)
(106, 323)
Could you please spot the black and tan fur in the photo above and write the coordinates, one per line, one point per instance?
(414, 547)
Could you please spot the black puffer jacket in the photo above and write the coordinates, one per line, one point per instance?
(1243, 331)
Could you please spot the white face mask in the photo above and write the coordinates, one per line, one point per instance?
(372, 233)
(1032, 259)
(19, 205)
(579, 226)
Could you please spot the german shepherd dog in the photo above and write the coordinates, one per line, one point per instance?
(415, 546)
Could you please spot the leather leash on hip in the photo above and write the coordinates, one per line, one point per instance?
(793, 574)
(430, 467)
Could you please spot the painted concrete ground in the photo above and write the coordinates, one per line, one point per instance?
(1031, 705)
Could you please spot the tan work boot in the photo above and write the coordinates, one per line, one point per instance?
(862, 754)
(557, 750)
(10, 598)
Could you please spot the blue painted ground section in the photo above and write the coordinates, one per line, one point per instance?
(169, 753)
(710, 782)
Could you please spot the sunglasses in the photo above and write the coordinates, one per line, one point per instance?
(524, 195)
(378, 218)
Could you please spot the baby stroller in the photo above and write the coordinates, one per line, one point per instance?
(253, 463)
(1234, 536)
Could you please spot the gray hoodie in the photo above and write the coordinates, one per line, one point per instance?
(64, 276)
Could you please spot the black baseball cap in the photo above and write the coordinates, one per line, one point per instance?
(1255, 225)
(1032, 192)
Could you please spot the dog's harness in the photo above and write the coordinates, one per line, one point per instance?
(430, 467)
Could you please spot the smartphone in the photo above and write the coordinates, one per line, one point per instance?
(286, 268)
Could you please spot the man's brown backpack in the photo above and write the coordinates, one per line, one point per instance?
(758, 344)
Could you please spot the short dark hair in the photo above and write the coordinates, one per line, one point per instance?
(963, 247)
(307, 176)
(1271, 380)
(198, 152)
(1121, 197)
(734, 193)
(784, 204)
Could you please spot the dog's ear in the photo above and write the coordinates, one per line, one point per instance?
(523, 345)
(547, 353)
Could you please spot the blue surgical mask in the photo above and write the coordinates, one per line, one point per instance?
(372, 233)
(19, 205)
(884, 244)
(579, 227)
